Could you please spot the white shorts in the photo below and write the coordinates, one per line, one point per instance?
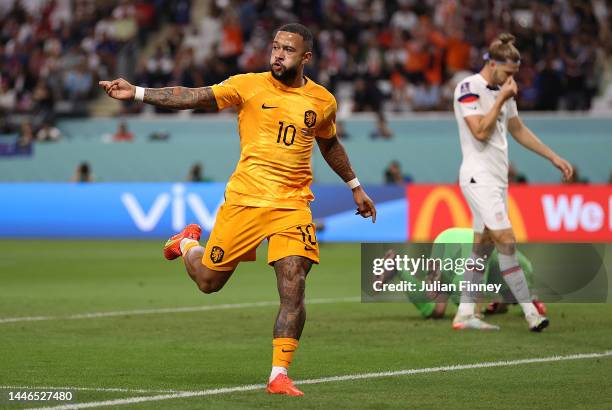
(489, 206)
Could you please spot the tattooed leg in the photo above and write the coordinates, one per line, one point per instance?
(291, 282)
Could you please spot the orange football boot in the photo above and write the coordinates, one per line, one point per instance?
(282, 384)
(540, 306)
(172, 248)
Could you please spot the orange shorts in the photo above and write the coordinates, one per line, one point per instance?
(239, 230)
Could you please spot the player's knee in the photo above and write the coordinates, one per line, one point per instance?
(293, 307)
(291, 279)
(506, 242)
(294, 299)
(207, 286)
(293, 293)
(507, 248)
(483, 249)
(204, 287)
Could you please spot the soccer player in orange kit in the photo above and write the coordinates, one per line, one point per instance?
(280, 115)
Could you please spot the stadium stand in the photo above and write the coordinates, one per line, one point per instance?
(375, 56)
(52, 52)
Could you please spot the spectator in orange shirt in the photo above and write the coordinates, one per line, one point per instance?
(457, 52)
(436, 43)
(417, 59)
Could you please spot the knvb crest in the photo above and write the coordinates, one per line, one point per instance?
(216, 254)
(310, 118)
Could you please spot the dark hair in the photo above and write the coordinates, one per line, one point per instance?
(502, 49)
(83, 172)
(300, 29)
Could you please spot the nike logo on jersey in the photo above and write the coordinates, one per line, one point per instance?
(287, 351)
(266, 107)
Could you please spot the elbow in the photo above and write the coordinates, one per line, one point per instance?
(481, 132)
(481, 135)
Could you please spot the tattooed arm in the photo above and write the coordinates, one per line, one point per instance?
(177, 98)
(182, 98)
(335, 155)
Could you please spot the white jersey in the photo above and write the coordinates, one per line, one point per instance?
(484, 163)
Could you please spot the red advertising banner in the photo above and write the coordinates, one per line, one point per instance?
(539, 213)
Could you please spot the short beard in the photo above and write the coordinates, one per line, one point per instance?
(286, 76)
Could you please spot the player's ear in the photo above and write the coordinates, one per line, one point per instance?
(306, 57)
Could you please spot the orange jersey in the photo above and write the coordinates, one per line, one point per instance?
(274, 169)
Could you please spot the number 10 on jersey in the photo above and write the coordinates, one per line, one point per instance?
(287, 134)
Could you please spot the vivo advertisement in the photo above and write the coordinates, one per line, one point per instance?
(158, 210)
(417, 212)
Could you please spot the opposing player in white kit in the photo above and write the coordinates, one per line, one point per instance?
(485, 110)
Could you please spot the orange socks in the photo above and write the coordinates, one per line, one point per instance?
(282, 351)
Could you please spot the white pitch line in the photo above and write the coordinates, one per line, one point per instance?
(169, 310)
(251, 387)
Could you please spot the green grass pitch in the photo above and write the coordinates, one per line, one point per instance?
(201, 350)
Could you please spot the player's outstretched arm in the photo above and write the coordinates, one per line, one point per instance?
(524, 136)
(335, 155)
(177, 98)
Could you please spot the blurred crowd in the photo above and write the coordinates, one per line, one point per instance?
(394, 55)
(402, 55)
(52, 52)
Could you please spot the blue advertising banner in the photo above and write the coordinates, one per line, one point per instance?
(11, 145)
(157, 210)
